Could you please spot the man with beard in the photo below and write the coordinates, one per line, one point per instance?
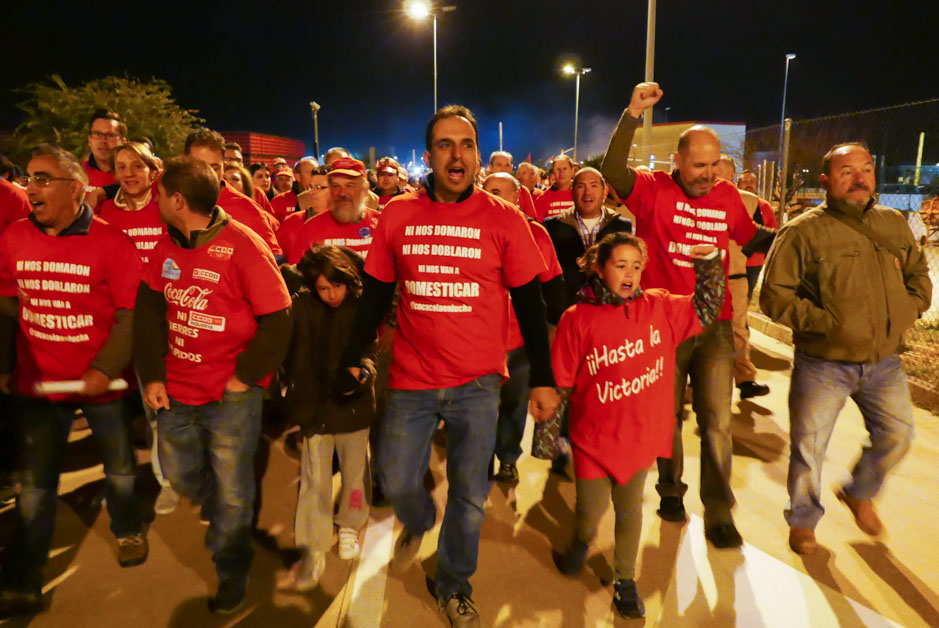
(348, 222)
(457, 252)
(674, 211)
(849, 279)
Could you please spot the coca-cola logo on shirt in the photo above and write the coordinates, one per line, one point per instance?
(193, 297)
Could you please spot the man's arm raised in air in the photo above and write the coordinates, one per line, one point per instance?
(615, 168)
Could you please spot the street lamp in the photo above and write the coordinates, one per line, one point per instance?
(316, 130)
(418, 10)
(782, 121)
(569, 70)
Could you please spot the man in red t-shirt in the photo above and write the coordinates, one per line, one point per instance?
(14, 204)
(501, 161)
(107, 131)
(348, 222)
(209, 147)
(454, 249)
(68, 283)
(212, 325)
(762, 215)
(559, 197)
(529, 175)
(674, 211)
(513, 399)
(386, 178)
(286, 203)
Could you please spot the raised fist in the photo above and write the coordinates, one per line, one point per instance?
(702, 251)
(644, 96)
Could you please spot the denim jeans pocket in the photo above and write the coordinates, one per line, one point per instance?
(491, 382)
(237, 396)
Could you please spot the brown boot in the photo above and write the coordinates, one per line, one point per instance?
(865, 515)
(802, 541)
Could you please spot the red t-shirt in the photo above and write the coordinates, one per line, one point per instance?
(671, 223)
(69, 288)
(14, 204)
(622, 371)
(553, 203)
(213, 295)
(526, 203)
(283, 205)
(250, 214)
(287, 234)
(552, 270)
(453, 262)
(143, 226)
(324, 229)
(98, 178)
(261, 199)
(769, 220)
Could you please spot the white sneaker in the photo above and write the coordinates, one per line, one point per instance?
(166, 501)
(311, 568)
(348, 543)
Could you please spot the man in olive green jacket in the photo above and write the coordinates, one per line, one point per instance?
(849, 279)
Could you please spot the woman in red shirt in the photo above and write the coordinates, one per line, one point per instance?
(614, 355)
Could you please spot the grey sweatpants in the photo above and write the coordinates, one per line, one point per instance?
(593, 496)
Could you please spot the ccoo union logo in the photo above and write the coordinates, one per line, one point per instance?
(221, 251)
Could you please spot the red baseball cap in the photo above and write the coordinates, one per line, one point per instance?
(348, 166)
(387, 164)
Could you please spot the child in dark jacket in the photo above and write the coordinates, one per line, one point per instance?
(615, 354)
(323, 311)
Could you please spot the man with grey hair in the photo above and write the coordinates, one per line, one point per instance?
(68, 283)
(286, 203)
(529, 175)
(348, 222)
(849, 279)
(501, 161)
(674, 211)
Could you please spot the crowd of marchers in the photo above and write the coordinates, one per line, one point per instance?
(373, 309)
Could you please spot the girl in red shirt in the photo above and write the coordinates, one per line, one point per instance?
(614, 355)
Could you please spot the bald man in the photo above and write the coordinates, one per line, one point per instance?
(674, 211)
(501, 161)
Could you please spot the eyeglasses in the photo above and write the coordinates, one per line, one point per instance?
(106, 136)
(44, 180)
(320, 188)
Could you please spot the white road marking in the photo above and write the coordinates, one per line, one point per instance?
(368, 585)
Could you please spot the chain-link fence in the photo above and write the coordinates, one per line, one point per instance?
(904, 141)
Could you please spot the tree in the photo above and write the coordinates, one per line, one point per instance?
(59, 114)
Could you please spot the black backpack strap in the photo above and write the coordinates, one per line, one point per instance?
(864, 230)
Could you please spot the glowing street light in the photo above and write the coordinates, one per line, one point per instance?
(419, 10)
(569, 69)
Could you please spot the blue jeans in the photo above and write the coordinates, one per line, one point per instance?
(207, 454)
(708, 359)
(469, 414)
(513, 407)
(817, 393)
(43, 429)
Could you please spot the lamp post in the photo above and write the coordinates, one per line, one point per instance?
(316, 129)
(420, 9)
(782, 119)
(569, 70)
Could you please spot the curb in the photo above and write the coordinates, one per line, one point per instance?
(923, 396)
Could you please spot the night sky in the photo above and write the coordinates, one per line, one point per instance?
(256, 67)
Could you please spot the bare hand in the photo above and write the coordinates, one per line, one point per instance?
(95, 383)
(542, 402)
(236, 385)
(5, 379)
(95, 197)
(356, 373)
(701, 251)
(644, 96)
(154, 395)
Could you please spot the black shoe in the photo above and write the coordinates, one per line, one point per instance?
(230, 596)
(672, 509)
(752, 389)
(626, 599)
(572, 560)
(508, 472)
(13, 603)
(723, 536)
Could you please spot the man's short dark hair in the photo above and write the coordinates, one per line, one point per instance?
(205, 137)
(450, 111)
(104, 114)
(234, 146)
(195, 180)
(826, 160)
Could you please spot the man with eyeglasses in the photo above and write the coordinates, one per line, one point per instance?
(68, 280)
(285, 203)
(107, 131)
